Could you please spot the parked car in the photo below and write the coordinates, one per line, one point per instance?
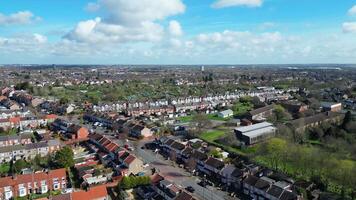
(202, 183)
(190, 189)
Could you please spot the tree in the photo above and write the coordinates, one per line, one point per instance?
(64, 158)
(23, 86)
(200, 121)
(19, 165)
(316, 133)
(215, 153)
(129, 182)
(274, 151)
(63, 100)
(281, 114)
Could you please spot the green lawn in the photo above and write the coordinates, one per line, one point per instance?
(211, 136)
(4, 168)
(9, 132)
(215, 116)
(188, 118)
(212, 116)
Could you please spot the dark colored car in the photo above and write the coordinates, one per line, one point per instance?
(190, 189)
(202, 183)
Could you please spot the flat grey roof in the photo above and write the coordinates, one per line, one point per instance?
(258, 132)
(253, 127)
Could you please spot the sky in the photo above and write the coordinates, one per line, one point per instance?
(177, 31)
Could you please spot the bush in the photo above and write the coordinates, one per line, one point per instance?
(129, 182)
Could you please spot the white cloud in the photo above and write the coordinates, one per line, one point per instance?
(352, 10)
(349, 27)
(92, 7)
(128, 21)
(21, 17)
(23, 43)
(40, 38)
(231, 3)
(98, 32)
(218, 47)
(135, 11)
(175, 28)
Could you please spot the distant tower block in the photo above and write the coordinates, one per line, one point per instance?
(202, 68)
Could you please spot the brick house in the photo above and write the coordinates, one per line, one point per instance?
(35, 183)
(9, 140)
(131, 163)
(77, 132)
(261, 114)
(28, 151)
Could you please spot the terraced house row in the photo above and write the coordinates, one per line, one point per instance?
(257, 182)
(28, 151)
(34, 183)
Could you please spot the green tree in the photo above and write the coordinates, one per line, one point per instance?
(64, 158)
(23, 86)
(347, 118)
(64, 100)
(281, 114)
(19, 165)
(129, 182)
(200, 122)
(274, 151)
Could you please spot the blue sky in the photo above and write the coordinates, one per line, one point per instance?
(177, 31)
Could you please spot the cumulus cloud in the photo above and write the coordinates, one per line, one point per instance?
(231, 3)
(19, 18)
(135, 11)
(175, 28)
(127, 21)
(352, 10)
(349, 27)
(98, 32)
(23, 43)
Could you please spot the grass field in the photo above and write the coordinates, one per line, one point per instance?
(211, 136)
(188, 118)
(215, 116)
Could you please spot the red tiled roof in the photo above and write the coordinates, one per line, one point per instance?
(62, 197)
(95, 136)
(51, 116)
(121, 153)
(129, 159)
(15, 119)
(6, 181)
(92, 194)
(57, 173)
(112, 147)
(29, 178)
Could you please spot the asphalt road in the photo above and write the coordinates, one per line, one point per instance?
(177, 175)
(167, 168)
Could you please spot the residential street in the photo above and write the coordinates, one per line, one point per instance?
(177, 175)
(167, 168)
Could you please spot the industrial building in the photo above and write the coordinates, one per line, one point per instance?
(255, 133)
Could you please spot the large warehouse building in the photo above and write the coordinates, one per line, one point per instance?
(255, 133)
